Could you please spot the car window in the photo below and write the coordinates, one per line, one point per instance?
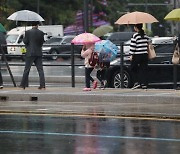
(54, 41)
(11, 38)
(68, 40)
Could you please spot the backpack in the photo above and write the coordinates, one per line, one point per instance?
(93, 60)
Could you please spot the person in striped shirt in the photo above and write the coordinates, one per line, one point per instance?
(139, 57)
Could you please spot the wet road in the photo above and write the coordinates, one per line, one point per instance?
(87, 135)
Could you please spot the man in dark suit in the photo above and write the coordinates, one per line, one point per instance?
(33, 41)
(4, 48)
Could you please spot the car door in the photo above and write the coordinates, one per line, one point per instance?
(65, 47)
(161, 68)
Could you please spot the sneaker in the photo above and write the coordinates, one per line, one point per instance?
(87, 89)
(136, 85)
(41, 88)
(102, 85)
(143, 86)
(94, 84)
(1, 87)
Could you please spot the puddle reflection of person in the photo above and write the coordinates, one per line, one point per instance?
(86, 53)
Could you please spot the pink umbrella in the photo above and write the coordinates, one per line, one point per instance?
(85, 38)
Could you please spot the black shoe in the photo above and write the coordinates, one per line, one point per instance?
(136, 85)
(22, 87)
(41, 88)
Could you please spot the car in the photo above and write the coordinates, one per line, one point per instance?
(119, 37)
(160, 69)
(60, 45)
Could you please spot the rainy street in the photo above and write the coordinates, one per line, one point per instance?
(63, 134)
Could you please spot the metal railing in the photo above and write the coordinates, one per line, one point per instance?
(121, 55)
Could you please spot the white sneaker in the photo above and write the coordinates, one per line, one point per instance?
(136, 85)
(1, 87)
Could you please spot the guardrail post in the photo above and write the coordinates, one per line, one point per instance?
(72, 65)
(121, 64)
(5, 59)
(175, 76)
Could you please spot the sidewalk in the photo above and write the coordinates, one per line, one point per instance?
(164, 103)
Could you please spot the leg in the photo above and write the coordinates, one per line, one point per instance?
(39, 66)
(143, 70)
(135, 68)
(98, 75)
(1, 79)
(28, 64)
(88, 76)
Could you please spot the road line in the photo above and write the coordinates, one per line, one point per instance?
(88, 135)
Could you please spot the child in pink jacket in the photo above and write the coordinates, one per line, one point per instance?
(86, 53)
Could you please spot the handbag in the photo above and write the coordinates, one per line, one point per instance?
(176, 55)
(151, 51)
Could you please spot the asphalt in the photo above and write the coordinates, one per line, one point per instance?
(150, 103)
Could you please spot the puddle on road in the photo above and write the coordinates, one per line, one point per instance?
(77, 135)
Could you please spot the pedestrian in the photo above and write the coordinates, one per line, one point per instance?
(4, 48)
(102, 74)
(179, 40)
(139, 57)
(33, 40)
(86, 54)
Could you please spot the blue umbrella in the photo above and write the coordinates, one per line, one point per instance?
(106, 50)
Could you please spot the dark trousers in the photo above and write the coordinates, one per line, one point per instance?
(139, 68)
(28, 63)
(101, 75)
(1, 79)
(88, 77)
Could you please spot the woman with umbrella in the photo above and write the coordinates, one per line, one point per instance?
(139, 57)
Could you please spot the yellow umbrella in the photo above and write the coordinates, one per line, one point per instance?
(173, 15)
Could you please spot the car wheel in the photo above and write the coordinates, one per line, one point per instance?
(116, 80)
(54, 52)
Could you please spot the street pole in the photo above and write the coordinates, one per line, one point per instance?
(85, 16)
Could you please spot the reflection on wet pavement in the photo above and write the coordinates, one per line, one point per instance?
(87, 135)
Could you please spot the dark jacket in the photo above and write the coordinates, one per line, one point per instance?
(179, 40)
(3, 41)
(33, 41)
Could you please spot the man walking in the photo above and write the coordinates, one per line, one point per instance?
(2, 41)
(33, 41)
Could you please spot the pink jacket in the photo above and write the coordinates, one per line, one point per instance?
(87, 54)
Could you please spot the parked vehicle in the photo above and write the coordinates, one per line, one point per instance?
(60, 45)
(15, 37)
(119, 37)
(160, 69)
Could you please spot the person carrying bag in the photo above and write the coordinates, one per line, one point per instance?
(176, 55)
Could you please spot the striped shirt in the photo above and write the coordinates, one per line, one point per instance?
(138, 44)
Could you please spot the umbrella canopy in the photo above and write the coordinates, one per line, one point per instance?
(85, 38)
(106, 49)
(25, 15)
(2, 29)
(174, 15)
(102, 30)
(136, 18)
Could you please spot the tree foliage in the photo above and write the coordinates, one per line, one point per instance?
(64, 11)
